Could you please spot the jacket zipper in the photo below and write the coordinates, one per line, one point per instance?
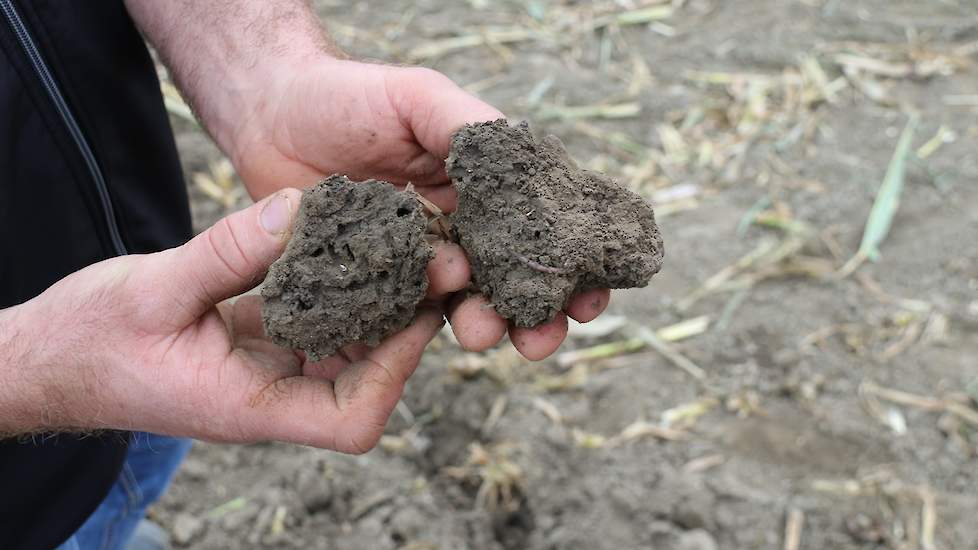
(51, 87)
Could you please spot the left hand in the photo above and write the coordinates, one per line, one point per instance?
(391, 123)
(148, 342)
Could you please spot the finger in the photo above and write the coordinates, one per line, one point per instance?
(246, 318)
(476, 325)
(434, 107)
(587, 305)
(425, 168)
(263, 176)
(328, 368)
(444, 195)
(448, 271)
(248, 333)
(400, 353)
(368, 391)
(331, 367)
(228, 258)
(355, 352)
(349, 415)
(226, 311)
(539, 342)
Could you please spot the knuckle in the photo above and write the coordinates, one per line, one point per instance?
(383, 376)
(429, 75)
(224, 243)
(416, 84)
(367, 386)
(363, 438)
(356, 446)
(421, 166)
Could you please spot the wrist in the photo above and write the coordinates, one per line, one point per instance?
(222, 55)
(21, 398)
(47, 378)
(242, 99)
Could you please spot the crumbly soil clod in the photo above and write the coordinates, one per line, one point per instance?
(539, 229)
(354, 270)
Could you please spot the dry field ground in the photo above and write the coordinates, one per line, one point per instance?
(796, 377)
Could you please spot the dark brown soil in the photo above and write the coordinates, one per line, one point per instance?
(539, 229)
(354, 270)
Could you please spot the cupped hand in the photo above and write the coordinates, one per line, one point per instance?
(390, 123)
(149, 343)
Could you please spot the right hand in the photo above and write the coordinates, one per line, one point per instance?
(148, 343)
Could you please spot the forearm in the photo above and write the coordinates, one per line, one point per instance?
(52, 363)
(225, 54)
(16, 340)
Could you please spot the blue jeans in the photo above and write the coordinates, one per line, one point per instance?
(150, 464)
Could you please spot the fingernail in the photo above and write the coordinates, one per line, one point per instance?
(276, 216)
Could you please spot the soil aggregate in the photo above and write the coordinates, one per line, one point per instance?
(538, 228)
(354, 270)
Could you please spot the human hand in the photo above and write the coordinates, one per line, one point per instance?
(323, 116)
(148, 343)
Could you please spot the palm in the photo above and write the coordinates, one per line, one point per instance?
(212, 369)
(394, 127)
(238, 386)
(363, 138)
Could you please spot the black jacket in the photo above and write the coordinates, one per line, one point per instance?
(88, 170)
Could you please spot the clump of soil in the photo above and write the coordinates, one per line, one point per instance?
(354, 270)
(539, 229)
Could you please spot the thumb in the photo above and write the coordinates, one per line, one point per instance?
(233, 255)
(435, 108)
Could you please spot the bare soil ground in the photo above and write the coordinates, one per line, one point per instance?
(791, 408)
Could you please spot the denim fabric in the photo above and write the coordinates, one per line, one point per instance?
(150, 464)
